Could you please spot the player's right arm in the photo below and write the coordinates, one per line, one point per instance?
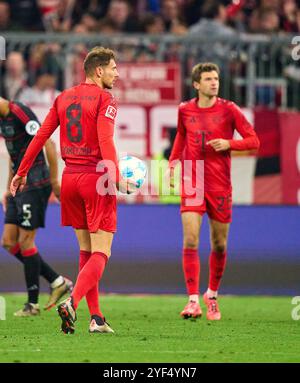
(48, 127)
(177, 149)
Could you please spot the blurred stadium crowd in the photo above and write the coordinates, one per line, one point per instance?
(178, 17)
(36, 70)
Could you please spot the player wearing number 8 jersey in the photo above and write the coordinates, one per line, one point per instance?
(205, 132)
(86, 115)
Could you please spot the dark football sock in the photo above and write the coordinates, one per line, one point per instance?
(45, 270)
(32, 266)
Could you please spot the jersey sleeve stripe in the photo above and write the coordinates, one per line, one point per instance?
(19, 112)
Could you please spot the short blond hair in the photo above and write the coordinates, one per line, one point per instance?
(98, 56)
(201, 68)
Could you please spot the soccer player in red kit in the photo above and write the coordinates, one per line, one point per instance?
(86, 115)
(205, 132)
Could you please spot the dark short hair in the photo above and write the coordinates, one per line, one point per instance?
(147, 21)
(211, 9)
(98, 56)
(201, 68)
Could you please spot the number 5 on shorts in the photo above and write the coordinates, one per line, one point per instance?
(26, 211)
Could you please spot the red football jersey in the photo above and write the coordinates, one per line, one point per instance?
(85, 114)
(197, 126)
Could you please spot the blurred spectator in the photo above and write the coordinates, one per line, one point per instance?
(73, 68)
(192, 11)
(42, 95)
(46, 58)
(48, 9)
(254, 22)
(212, 24)
(145, 6)
(120, 12)
(4, 16)
(269, 21)
(213, 21)
(152, 17)
(107, 26)
(61, 19)
(144, 56)
(96, 8)
(127, 16)
(298, 19)
(172, 14)
(178, 28)
(15, 75)
(48, 6)
(234, 8)
(80, 29)
(25, 15)
(36, 59)
(89, 21)
(128, 53)
(152, 24)
(274, 4)
(289, 16)
(236, 16)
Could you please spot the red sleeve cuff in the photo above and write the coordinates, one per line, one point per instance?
(231, 144)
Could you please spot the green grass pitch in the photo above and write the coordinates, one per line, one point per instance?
(149, 329)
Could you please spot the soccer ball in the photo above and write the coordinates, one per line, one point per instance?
(133, 170)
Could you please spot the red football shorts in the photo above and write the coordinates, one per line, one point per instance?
(217, 205)
(83, 208)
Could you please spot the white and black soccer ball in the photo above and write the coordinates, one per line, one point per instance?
(133, 170)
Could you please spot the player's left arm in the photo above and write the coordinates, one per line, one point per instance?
(51, 155)
(44, 133)
(105, 131)
(249, 139)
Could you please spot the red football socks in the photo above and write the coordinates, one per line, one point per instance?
(217, 262)
(92, 297)
(84, 256)
(89, 277)
(191, 269)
